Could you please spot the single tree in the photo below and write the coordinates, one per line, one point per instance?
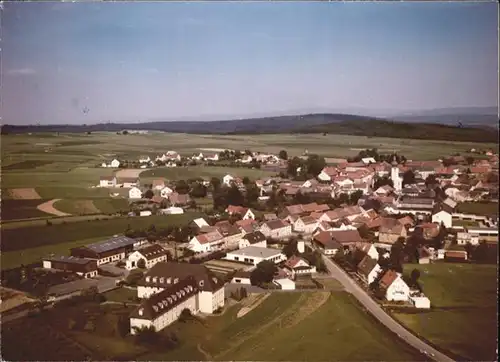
(283, 155)
(141, 263)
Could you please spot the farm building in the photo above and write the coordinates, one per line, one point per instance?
(86, 268)
(254, 255)
(108, 251)
(151, 255)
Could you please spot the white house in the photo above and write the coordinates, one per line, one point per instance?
(200, 222)
(134, 193)
(305, 225)
(276, 229)
(254, 255)
(144, 159)
(242, 277)
(442, 216)
(207, 242)
(255, 238)
(145, 213)
(368, 249)
(298, 266)
(368, 160)
(169, 288)
(172, 210)
(165, 192)
(151, 255)
(368, 269)
(285, 284)
(249, 215)
(115, 163)
(227, 180)
(214, 157)
(395, 287)
(420, 301)
(107, 181)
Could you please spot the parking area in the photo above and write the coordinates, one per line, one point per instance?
(103, 284)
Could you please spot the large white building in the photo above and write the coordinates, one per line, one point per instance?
(169, 288)
(151, 255)
(254, 255)
(394, 286)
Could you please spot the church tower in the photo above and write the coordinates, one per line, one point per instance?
(396, 179)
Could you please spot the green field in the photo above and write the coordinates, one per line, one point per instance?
(479, 208)
(121, 295)
(464, 309)
(289, 327)
(20, 246)
(92, 206)
(184, 173)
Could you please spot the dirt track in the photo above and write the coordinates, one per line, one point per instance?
(130, 173)
(49, 208)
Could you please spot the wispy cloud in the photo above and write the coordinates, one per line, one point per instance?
(21, 71)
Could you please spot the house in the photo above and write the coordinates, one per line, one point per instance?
(367, 249)
(212, 157)
(158, 185)
(390, 231)
(177, 199)
(114, 249)
(442, 214)
(165, 191)
(244, 212)
(298, 266)
(199, 223)
(164, 275)
(255, 238)
(172, 210)
(420, 301)
(368, 269)
(394, 286)
(144, 159)
(424, 255)
(305, 225)
(151, 255)
(134, 193)
(115, 163)
(254, 255)
(84, 267)
(327, 174)
(368, 160)
(241, 277)
(204, 243)
(227, 180)
(107, 181)
(145, 213)
(129, 182)
(247, 226)
(326, 243)
(276, 229)
(285, 283)
(231, 233)
(384, 190)
(465, 237)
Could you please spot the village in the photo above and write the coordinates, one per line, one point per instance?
(369, 216)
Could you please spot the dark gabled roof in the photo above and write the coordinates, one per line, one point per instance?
(276, 224)
(160, 303)
(366, 265)
(206, 280)
(152, 252)
(70, 260)
(111, 244)
(255, 237)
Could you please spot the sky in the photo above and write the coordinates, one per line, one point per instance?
(80, 62)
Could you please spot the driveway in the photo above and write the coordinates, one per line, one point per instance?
(112, 268)
(232, 287)
(351, 287)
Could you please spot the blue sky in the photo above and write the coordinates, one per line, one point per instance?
(137, 61)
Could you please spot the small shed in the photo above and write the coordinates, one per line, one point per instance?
(285, 284)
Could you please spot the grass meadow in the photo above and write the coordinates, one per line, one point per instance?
(463, 317)
(289, 327)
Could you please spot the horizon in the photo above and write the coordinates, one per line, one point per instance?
(90, 63)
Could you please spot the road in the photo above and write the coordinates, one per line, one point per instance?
(372, 306)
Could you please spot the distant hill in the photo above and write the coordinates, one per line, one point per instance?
(392, 129)
(336, 123)
(467, 116)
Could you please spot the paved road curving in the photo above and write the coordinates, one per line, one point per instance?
(351, 287)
